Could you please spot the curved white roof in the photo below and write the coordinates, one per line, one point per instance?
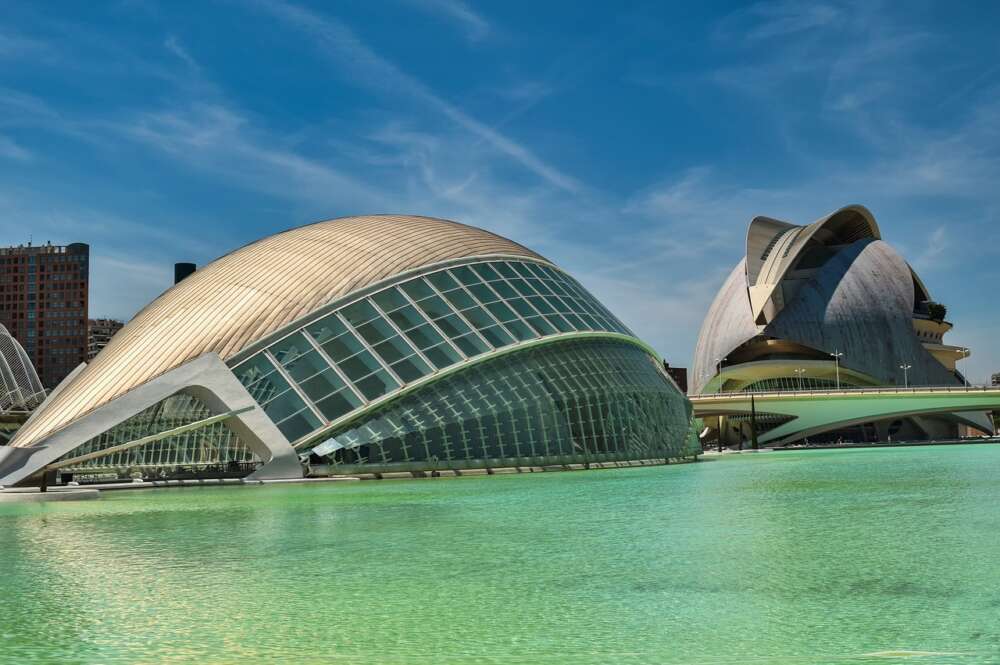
(256, 290)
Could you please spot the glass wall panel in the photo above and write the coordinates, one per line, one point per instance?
(212, 446)
(405, 332)
(576, 400)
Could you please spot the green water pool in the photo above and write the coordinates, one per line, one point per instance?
(880, 556)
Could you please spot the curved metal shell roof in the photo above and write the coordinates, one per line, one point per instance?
(773, 247)
(256, 290)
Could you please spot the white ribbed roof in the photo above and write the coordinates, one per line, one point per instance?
(256, 290)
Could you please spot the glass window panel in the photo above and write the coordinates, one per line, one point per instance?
(284, 405)
(505, 290)
(483, 293)
(497, 336)
(486, 272)
(522, 287)
(417, 289)
(537, 270)
(389, 300)
(540, 286)
(557, 288)
(576, 321)
(471, 345)
(376, 385)
(541, 305)
(327, 328)
(442, 355)
(465, 275)
(520, 330)
(453, 326)
(360, 365)
(501, 311)
(460, 299)
(394, 349)
(376, 331)
(424, 337)
(322, 385)
(254, 369)
(560, 322)
(541, 325)
(407, 317)
(288, 349)
(411, 369)
(343, 347)
(478, 317)
(522, 270)
(358, 313)
(299, 425)
(442, 281)
(505, 270)
(338, 404)
(306, 365)
(435, 307)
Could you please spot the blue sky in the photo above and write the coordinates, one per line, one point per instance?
(631, 143)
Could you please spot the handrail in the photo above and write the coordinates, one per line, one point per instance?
(874, 390)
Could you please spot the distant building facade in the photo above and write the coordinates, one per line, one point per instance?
(995, 379)
(679, 375)
(43, 303)
(100, 332)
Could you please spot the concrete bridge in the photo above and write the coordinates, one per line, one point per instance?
(815, 411)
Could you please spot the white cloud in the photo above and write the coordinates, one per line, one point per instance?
(12, 150)
(367, 68)
(472, 24)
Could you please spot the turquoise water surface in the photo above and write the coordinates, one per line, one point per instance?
(797, 557)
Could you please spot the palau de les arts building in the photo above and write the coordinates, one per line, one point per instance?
(362, 344)
(805, 293)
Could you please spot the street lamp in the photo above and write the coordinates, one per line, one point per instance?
(800, 371)
(718, 369)
(837, 355)
(963, 354)
(906, 377)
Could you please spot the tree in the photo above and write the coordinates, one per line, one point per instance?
(936, 311)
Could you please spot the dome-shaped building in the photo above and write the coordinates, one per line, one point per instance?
(823, 306)
(374, 343)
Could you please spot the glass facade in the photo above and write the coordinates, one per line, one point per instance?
(571, 401)
(212, 445)
(374, 346)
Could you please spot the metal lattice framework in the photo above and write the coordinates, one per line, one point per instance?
(21, 389)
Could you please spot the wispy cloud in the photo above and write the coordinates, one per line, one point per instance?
(472, 24)
(366, 67)
(769, 20)
(17, 46)
(173, 45)
(217, 139)
(12, 150)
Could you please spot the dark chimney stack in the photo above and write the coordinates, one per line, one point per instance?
(182, 270)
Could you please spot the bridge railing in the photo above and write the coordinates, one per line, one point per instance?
(872, 390)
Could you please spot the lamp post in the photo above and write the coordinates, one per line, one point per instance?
(799, 372)
(906, 376)
(837, 355)
(718, 370)
(718, 366)
(963, 354)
